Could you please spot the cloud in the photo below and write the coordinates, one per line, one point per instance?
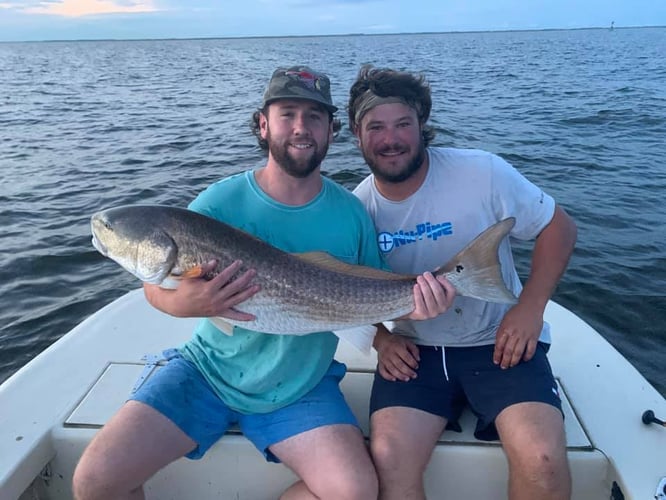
(80, 8)
(380, 28)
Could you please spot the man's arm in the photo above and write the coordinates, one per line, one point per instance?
(519, 330)
(398, 357)
(198, 297)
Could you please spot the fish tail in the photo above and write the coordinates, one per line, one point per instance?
(475, 271)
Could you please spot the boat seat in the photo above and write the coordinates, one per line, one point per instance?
(235, 460)
(113, 386)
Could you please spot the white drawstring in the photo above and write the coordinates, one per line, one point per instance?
(446, 373)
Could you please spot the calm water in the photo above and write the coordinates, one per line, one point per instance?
(86, 125)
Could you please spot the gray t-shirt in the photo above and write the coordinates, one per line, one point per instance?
(464, 193)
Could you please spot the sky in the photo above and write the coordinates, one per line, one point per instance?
(28, 20)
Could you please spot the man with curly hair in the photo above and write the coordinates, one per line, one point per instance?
(427, 203)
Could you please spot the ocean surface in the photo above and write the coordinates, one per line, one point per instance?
(89, 125)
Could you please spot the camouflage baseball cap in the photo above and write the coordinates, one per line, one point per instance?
(299, 82)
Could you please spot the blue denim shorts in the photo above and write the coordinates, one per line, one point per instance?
(450, 378)
(182, 394)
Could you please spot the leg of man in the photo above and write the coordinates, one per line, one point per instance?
(175, 412)
(136, 443)
(522, 407)
(333, 463)
(317, 437)
(397, 433)
(406, 420)
(533, 438)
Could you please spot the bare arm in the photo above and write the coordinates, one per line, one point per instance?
(398, 357)
(198, 297)
(519, 331)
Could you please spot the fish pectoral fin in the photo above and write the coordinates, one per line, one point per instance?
(172, 280)
(192, 272)
(360, 337)
(330, 263)
(223, 325)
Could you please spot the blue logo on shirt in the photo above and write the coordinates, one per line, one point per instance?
(385, 241)
(388, 241)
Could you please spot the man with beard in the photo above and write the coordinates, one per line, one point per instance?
(283, 390)
(427, 204)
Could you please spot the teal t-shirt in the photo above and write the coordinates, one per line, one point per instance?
(256, 372)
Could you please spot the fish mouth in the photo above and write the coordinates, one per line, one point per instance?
(95, 222)
(99, 246)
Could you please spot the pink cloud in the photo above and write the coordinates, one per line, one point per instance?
(79, 8)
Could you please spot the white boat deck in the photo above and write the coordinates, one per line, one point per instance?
(72, 389)
(458, 453)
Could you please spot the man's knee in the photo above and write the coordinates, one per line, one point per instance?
(360, 488)
(388, 456)
(89, 481)
(544, 465)
(356, 486)
(384, 453)
(96, 479)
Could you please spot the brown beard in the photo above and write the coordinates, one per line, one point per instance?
(296, 168)
(395, 178)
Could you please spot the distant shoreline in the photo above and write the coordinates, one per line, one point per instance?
(261, 37)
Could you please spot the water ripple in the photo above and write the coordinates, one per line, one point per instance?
(89, 125)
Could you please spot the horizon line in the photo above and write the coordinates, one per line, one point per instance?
(250, 37)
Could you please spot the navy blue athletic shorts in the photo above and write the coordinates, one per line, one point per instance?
(450, 378)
